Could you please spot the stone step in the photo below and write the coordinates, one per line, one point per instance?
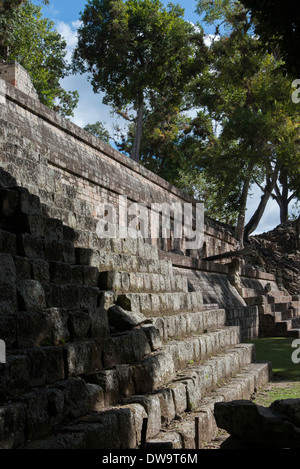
(284, 327)
(120, 427)
(51, 327)
(17, 200)
(181, 325)
(163, 366)
(40, 366)
(139, 282)
(33, 415)
(129, 246)
(161, 304)
(107, 261)
(181, 434)
(268, 300)
(279, 298)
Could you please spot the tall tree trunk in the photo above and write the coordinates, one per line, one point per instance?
(282, 198)
(256, 217)
(239, 231)
(135, 152)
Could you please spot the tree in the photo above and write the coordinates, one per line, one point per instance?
(246, 93)
(98, 130)
(8, 17)
(278, 25)
(33, 42)
(133, 48)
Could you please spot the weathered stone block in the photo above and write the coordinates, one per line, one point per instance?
(151, 404)
(53, 250)
(123, 320)
(79, 324)
(46, 365)
(179, 397)
(40, 270)
(68, 252)
(83, 256)
(8, 330)
(91, 276)
(83, 357)
(99, 323)
(32, 330)
(12, 426)
(69, 297)
(7, 270)
(23, 269)
(54, 229)
(14, 376)
(154, 372)
(29, 204)
(153, 335)
(8, 300)
(88, 297)
(125, 348)
(60, 273)
(35, 225)
(167, 405)
(8, 202)
(31, 296)
(8, 243)
(30, 246)
(77, 274)
(116, 383)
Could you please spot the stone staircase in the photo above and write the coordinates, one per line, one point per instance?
(279, 311)
(102, 339)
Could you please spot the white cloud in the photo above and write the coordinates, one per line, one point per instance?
(210, 38)
(69, 33)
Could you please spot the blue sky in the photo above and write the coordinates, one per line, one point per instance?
(66, 14)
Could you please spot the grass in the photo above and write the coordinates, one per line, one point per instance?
(278, 350)
(285, 382)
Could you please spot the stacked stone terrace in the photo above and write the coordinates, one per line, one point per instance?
(279, 311)
(103, 334)
(100, 339)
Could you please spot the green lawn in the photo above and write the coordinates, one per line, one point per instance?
(278, 350)
(285, 383)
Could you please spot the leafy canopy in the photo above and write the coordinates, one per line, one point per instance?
(135, 50)
(133, 46)
(33, 42)
(244, 91)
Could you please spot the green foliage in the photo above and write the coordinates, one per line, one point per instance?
(98, 130)
(135, 49)
(278, 25)
(33, 42)
(244, 91)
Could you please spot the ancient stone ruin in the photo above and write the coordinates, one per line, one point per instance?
(257, 427)
(106, 335)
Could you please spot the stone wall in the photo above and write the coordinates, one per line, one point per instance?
(73, 172)
(16, 75)
(103, 334)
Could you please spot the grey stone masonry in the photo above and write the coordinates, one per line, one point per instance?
(91, 352)
(16, 75)
(102, 334)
